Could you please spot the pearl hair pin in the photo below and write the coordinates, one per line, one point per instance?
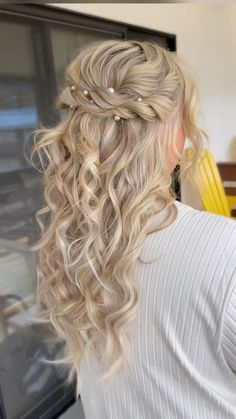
(115, 117)
(111, 90)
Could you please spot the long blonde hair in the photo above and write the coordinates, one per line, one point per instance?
(102, 179)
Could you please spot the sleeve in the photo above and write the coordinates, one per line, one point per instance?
(228, 330)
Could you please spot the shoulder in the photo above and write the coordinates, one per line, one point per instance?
(209, 217)
(216, 229)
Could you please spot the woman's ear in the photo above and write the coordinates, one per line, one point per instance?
(180, 140)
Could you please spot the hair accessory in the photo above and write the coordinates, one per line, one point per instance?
(111, 89)
(115, 117)
(139, 99)
(86, 92)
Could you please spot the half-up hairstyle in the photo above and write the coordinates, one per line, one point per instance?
(102, 180)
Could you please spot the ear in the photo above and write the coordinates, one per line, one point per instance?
(180, 140)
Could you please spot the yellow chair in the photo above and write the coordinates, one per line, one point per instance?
(209, 185)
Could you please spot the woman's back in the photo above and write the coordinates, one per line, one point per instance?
(182, 337)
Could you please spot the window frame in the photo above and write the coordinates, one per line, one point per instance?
(71, 19)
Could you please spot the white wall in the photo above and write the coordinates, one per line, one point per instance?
(206, 39)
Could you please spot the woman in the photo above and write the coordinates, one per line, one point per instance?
(139, 286)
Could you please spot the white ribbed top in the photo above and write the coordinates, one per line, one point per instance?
(184, 337)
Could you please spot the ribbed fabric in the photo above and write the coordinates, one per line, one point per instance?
(184, 338)
(228, 340)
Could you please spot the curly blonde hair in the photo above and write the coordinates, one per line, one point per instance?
(102, 179)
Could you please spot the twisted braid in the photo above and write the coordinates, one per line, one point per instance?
(147, 102)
